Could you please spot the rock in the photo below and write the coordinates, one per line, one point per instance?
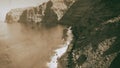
(49, 13)
(14, 15)
(95, 27)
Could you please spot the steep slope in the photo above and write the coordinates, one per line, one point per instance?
(14, 15)
(48, 13)
(95, 26)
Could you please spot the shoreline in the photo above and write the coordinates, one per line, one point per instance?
(60, 51)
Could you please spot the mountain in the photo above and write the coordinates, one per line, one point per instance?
(95, 27)
(48, 13)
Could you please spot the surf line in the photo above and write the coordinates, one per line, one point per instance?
(59, 52)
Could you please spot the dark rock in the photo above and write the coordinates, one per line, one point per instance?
(47, 14)
(95, 26)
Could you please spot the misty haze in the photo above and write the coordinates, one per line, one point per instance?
(27, 46)
(59, 33)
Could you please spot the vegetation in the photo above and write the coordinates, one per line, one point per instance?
(88, 19)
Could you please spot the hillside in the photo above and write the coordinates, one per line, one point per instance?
(95, 26)
(48, 13)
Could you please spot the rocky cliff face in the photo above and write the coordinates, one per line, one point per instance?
(14, 15)
(48, 13)
(95, 26)
(96, 42)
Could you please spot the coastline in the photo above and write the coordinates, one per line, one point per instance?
(54, 63)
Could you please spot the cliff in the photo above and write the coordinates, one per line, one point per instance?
(14, 15)
(95, 27)
(48, 13)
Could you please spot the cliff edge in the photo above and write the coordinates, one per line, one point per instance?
(95, 26)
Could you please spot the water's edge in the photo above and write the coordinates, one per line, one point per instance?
(59, 52)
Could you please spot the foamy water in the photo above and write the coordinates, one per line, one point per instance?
(21, 47)
(59, 52)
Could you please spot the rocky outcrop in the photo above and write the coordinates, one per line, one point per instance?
(14, 15)
(95, 27)
(47, 14)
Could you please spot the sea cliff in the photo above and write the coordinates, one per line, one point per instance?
(95, 27)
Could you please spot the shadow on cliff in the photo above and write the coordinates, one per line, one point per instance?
(49, 19)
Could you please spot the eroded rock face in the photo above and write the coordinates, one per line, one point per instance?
(48, 13)
(14, 15)
(95, 26)
(61, 6)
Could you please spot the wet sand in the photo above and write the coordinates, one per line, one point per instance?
(21, 47)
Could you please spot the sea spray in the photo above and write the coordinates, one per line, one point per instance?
(59, 52)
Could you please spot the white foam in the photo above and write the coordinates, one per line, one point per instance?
(59, 52)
